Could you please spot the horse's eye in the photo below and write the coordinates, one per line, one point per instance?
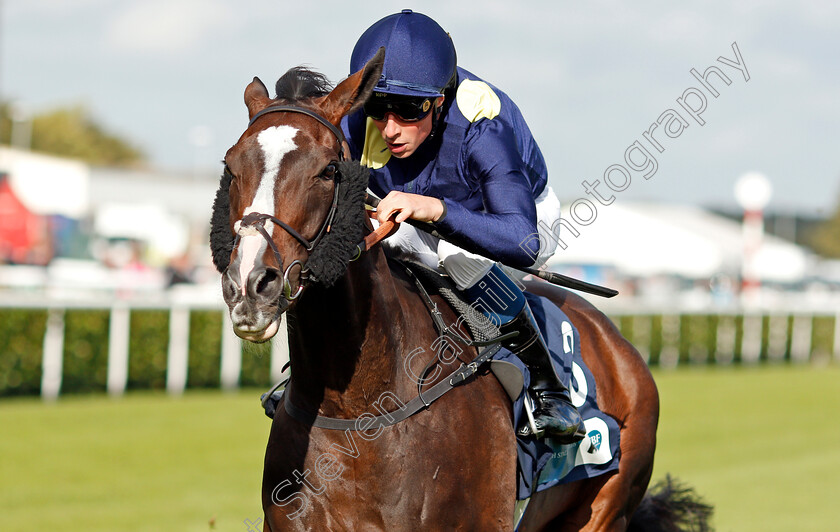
(329, 171)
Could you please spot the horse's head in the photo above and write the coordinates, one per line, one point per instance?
(288, 205)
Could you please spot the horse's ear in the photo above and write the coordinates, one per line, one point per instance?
(352, 93)
(256, 97)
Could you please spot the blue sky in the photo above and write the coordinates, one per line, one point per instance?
(590, 78)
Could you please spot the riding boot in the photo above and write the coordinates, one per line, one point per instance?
(499, 298)
(554, 414)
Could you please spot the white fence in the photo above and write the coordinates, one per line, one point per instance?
(674, 335)
(702, 338)
(119, 334)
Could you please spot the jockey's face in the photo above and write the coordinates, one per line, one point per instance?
(404, 137)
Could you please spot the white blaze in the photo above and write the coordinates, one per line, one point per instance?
(275, 142)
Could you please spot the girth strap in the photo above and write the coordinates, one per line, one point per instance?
(417, 404)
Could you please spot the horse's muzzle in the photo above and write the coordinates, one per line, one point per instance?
(257, 303)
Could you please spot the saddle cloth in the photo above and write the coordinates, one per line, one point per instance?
(544, 463)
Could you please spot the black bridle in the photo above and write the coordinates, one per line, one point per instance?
(294, 109)
(256, 220)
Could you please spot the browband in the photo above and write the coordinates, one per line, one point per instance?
(293, 109)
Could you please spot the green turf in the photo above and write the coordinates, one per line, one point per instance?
(145, 462)
(761, 444)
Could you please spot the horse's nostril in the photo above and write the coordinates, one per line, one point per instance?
(265, 282)
(230, 287)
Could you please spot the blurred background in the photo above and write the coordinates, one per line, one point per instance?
(693, 149)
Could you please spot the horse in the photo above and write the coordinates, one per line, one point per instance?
(358, 330)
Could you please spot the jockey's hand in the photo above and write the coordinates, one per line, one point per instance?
(405, 206)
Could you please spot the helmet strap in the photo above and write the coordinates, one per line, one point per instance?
(436, 112)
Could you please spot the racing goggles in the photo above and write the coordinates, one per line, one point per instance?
(407, 108)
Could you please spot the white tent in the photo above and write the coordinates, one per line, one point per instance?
(182, 194)
(167, 234)
(46, 184)
(640, 239)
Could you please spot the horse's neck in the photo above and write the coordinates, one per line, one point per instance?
(346, 341)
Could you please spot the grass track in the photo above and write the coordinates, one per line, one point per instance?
(145, 462)
(761, 444)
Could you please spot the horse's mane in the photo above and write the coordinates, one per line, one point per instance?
(300, 83)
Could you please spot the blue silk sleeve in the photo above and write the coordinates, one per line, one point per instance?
(501, 230)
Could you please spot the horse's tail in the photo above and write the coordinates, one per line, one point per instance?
(670, 506)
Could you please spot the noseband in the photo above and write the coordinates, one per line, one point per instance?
(256, 221)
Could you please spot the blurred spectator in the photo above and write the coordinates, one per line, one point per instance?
(24, 236)
(180, 270)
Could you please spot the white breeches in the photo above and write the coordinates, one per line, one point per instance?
(467, 268)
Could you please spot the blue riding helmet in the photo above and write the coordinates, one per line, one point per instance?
(419, 55)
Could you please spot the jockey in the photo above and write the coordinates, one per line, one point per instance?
(446, 147)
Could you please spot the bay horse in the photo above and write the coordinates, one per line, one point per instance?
(352, 327)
